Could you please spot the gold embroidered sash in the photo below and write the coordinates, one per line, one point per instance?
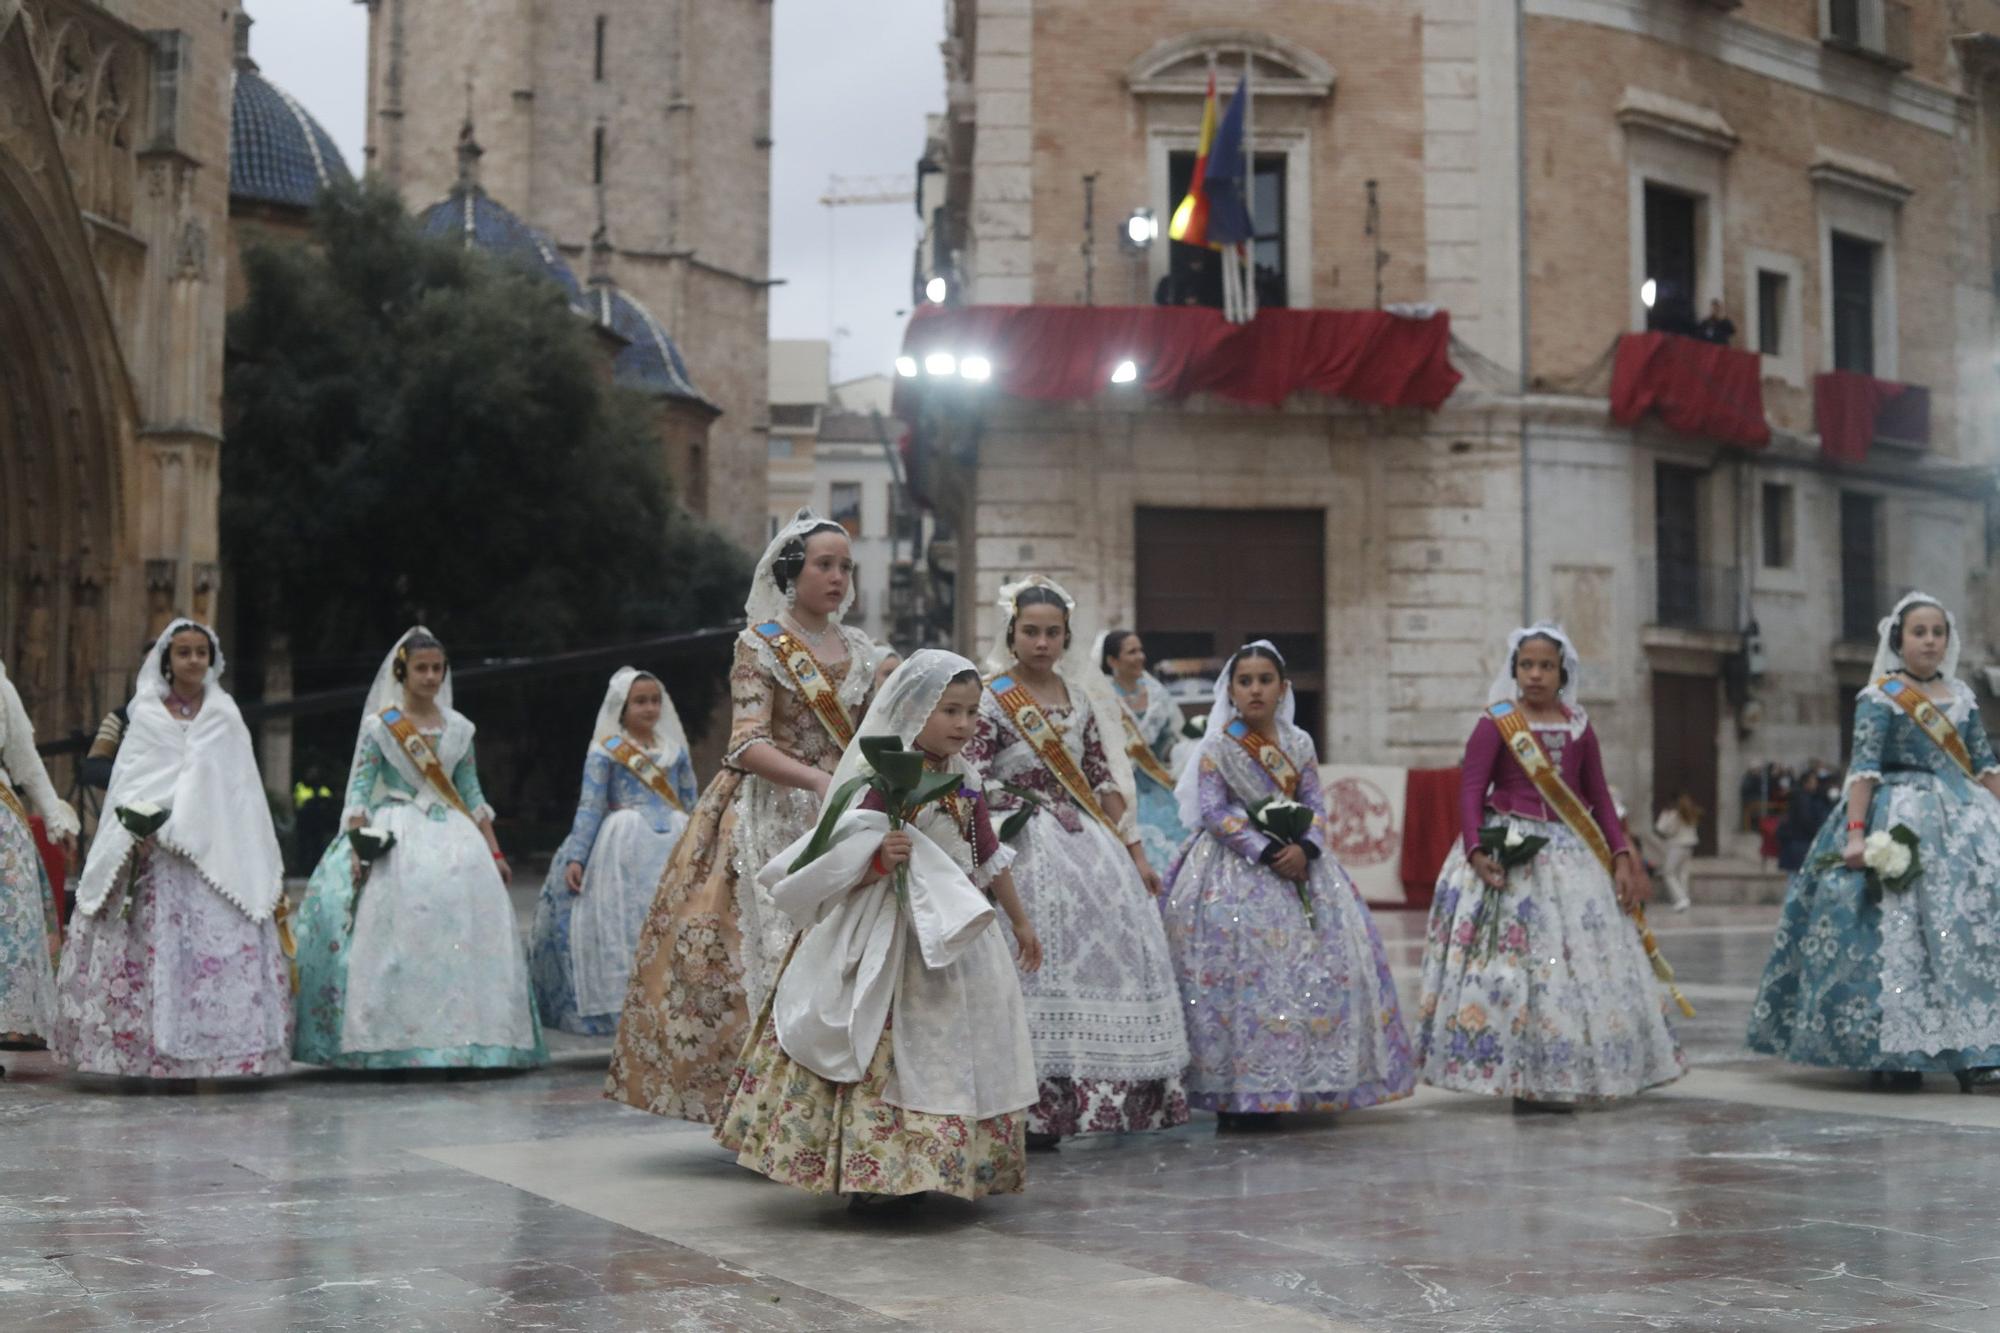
(1929, 720)
(641, 766)
(1267, 755)
(1143, 758)
(1046, 741)
(807, 679)
(423, 756)
(12, 801)
(1541, 771)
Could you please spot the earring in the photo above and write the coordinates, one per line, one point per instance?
(791, 595)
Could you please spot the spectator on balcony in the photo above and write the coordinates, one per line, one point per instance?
(1718, 327)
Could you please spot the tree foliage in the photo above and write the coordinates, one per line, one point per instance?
(418, 432)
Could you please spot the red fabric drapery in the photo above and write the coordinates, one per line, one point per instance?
(1067, 353)
(1847, 406)
(1697, 387)
(1430, 830)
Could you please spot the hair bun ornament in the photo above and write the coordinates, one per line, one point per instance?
(1010, 592)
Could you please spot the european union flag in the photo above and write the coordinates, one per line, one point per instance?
(1227, 175)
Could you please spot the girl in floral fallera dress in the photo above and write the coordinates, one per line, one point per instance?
(1899, 983)
(710, 949)
(415, 961)
(1284, 1012)
(1104, 1010)
(1153, 722)
(1536, 984)
(28, 927)
(637, 789)
(174, 967)
(893, 1056)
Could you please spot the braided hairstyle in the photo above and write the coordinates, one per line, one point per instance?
(791, 561)
(1035, 595)
(167, 648)
(415, 643)
(1514, 662)
(1114, 644)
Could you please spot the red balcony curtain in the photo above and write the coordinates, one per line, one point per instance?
(1697, 387)
(1847, 407)
(1067, 353)
(1430, 830)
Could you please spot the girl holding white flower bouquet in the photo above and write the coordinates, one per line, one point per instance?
(1535, 983)
(409, 955)
(892, 1057)
(175, 966)
(1104, 1011)
(709, 952)
(1883, 959)
(1290, 1003)
(638, 787)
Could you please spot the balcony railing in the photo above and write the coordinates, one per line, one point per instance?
(1692, 596)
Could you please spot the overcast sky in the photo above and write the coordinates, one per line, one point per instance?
(852, 83)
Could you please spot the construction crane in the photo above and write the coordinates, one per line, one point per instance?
(856, 192)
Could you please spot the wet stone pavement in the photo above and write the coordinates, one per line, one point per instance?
(1750, 1196)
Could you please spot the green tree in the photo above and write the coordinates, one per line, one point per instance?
(418, 431)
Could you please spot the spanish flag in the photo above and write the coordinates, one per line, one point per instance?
(1190, 220)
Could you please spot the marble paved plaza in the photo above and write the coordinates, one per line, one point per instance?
(1750, 1196)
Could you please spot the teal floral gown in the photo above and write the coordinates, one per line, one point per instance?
(424, 966)
(1910, 982)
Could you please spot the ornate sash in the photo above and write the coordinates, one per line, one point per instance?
(12, 801)
(1047, 743)
(1267, 755)
(1541, 771)
(1929, 720)
(1141, 753)
(807, 679)
(423, 756)
(641, 766)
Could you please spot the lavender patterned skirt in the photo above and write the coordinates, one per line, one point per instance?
(1282, 1014)
(185, 987)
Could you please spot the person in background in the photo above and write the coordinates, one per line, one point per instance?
(1679, 828)
(1806, 811)
(1718, 328)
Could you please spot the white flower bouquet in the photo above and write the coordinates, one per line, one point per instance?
(1287, 821)
(1888, 858)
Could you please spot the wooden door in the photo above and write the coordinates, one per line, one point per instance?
(1211, 580)
(1686, 713)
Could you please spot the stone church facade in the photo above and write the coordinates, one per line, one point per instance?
(114, 178)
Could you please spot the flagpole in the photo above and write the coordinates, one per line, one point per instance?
(1249, 252)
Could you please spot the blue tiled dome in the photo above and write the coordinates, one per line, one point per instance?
(650, 360)
(475, 220)
(278, 154)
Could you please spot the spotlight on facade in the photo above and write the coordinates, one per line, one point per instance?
(1141, 230)
(941, 363)
(1649, 292)
(906, 366)
(936, 290)
(1126, 373)
(975, 368)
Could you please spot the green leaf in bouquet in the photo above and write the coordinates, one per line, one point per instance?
(901, 769)
(370, 844)
(932, 787)
(1015, 822)
(822, 837)
(1523, 851)
(143, 820)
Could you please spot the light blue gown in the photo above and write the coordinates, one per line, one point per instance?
(1160, 829)
(431, 972)
(584, 943)
(1911, 982)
